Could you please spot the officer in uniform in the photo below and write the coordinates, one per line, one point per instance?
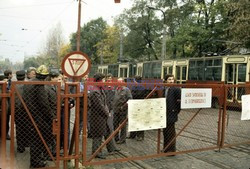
(21, 117)
(37, 100)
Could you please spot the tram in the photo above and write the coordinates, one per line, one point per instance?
(231, 69)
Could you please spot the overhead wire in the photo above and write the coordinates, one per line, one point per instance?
(37, 5)
(44, 28)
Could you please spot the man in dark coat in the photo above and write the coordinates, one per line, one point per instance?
(173, 96)
(1, 79)
(37, 101)
(7, 77)
(99, 113)
(122, 95)
(21, 117)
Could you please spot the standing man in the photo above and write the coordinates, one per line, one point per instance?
(99, 113)
(173, 96)
(7, 77)
(120, 106)
(1, 79)
(36, 97)
(21, 117)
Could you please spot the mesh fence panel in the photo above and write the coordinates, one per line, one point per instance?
(34, 138)
(236, 130)
(107, 123)
(195, 129)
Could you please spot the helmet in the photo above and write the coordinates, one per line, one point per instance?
(42, 70)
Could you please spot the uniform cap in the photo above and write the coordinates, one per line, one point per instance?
(42, 70)
(20, 75)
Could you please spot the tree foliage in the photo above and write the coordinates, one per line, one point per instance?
(108, 48)
(91, 33)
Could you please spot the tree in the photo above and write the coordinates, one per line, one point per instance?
(30, 62)
(239, 16)
(55, 41)
(108, 48)
(142, 32)
(91, 34)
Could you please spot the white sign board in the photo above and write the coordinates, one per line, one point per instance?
(146, 114)
(196, 98)
(245, 114)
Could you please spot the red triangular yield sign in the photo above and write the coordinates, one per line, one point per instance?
(80, 61)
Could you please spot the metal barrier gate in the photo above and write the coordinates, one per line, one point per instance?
(67, 136)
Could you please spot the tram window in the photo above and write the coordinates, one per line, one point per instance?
(121, 72)
(209, 62)
(184, 73)
(213, 73)
(209, 74)
(125, 72)
(242, 73)
(156, 70)
(192, 63)
(217, 73)
(200, 63)
(170, 70)
(165, 71)
(217, 62)
(229, 73)
(105, 71)
(200, 73)
(178, 73)
(192, 74)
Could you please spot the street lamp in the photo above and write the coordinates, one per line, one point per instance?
(164, 38)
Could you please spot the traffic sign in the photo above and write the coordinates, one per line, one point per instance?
(76, 64)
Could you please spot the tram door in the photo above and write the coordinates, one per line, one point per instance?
(235, 75)
(123, 72)
(181, 74)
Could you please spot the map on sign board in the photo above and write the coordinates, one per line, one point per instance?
(245, 114)
(146, 114)
(76, 64)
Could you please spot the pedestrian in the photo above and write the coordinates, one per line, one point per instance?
(8, 78)
(120, 106)
(110, 94)
(37, 100)
(1, 80)
(99, 113)
(173, 96)
(21, 117)
(54, 76)
(31, 73)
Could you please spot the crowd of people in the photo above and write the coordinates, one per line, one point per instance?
(107, 110)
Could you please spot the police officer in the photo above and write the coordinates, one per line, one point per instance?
(21, 117)
(37, 101)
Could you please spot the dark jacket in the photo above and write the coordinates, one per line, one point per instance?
(98, 112)
(122, 95)
(37, 100)
(173, 101)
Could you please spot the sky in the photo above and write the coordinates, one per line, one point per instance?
(24, 24)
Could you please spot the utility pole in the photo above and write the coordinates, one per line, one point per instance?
(78, 27)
